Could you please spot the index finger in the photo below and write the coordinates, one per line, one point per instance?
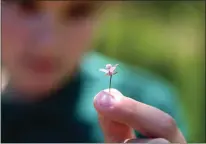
(146, 119)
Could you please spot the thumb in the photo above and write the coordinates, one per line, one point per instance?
(113, 131)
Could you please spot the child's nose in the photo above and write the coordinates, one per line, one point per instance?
(47, 32)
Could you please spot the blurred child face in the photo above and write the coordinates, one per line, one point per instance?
(43, 41)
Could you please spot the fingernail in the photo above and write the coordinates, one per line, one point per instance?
(104, 99)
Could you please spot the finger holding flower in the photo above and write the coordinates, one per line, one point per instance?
(120, 116)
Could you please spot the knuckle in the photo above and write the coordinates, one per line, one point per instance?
(159, 141)
(168, 125)
(149, 141)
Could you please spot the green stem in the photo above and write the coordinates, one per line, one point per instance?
(110, 83)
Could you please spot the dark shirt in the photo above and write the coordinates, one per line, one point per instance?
(68, 115)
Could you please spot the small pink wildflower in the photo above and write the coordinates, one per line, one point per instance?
(110, 71)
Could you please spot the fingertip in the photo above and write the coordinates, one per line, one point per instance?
(106, 99)
(113, 91)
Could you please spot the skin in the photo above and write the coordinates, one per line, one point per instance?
(123, 115)
(43, 43)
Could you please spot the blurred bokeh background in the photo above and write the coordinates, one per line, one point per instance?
(166, 38)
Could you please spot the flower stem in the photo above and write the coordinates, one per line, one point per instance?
(110, 83)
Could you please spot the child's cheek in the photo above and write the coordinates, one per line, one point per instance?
(14, 35)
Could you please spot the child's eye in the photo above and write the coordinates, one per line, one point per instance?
(24, 6)
(27, 6)
(80, 10)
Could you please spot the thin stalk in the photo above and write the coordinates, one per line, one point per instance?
(110, 83)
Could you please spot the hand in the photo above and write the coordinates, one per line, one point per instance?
(119, 116)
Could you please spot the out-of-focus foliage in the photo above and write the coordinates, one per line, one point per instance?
(167, 38)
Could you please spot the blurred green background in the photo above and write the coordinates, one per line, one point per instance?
(167, 38)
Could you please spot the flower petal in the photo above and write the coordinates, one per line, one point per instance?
(104, 70)
(116, 65)
(114, 73)
(112, 69)
(108, 66)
